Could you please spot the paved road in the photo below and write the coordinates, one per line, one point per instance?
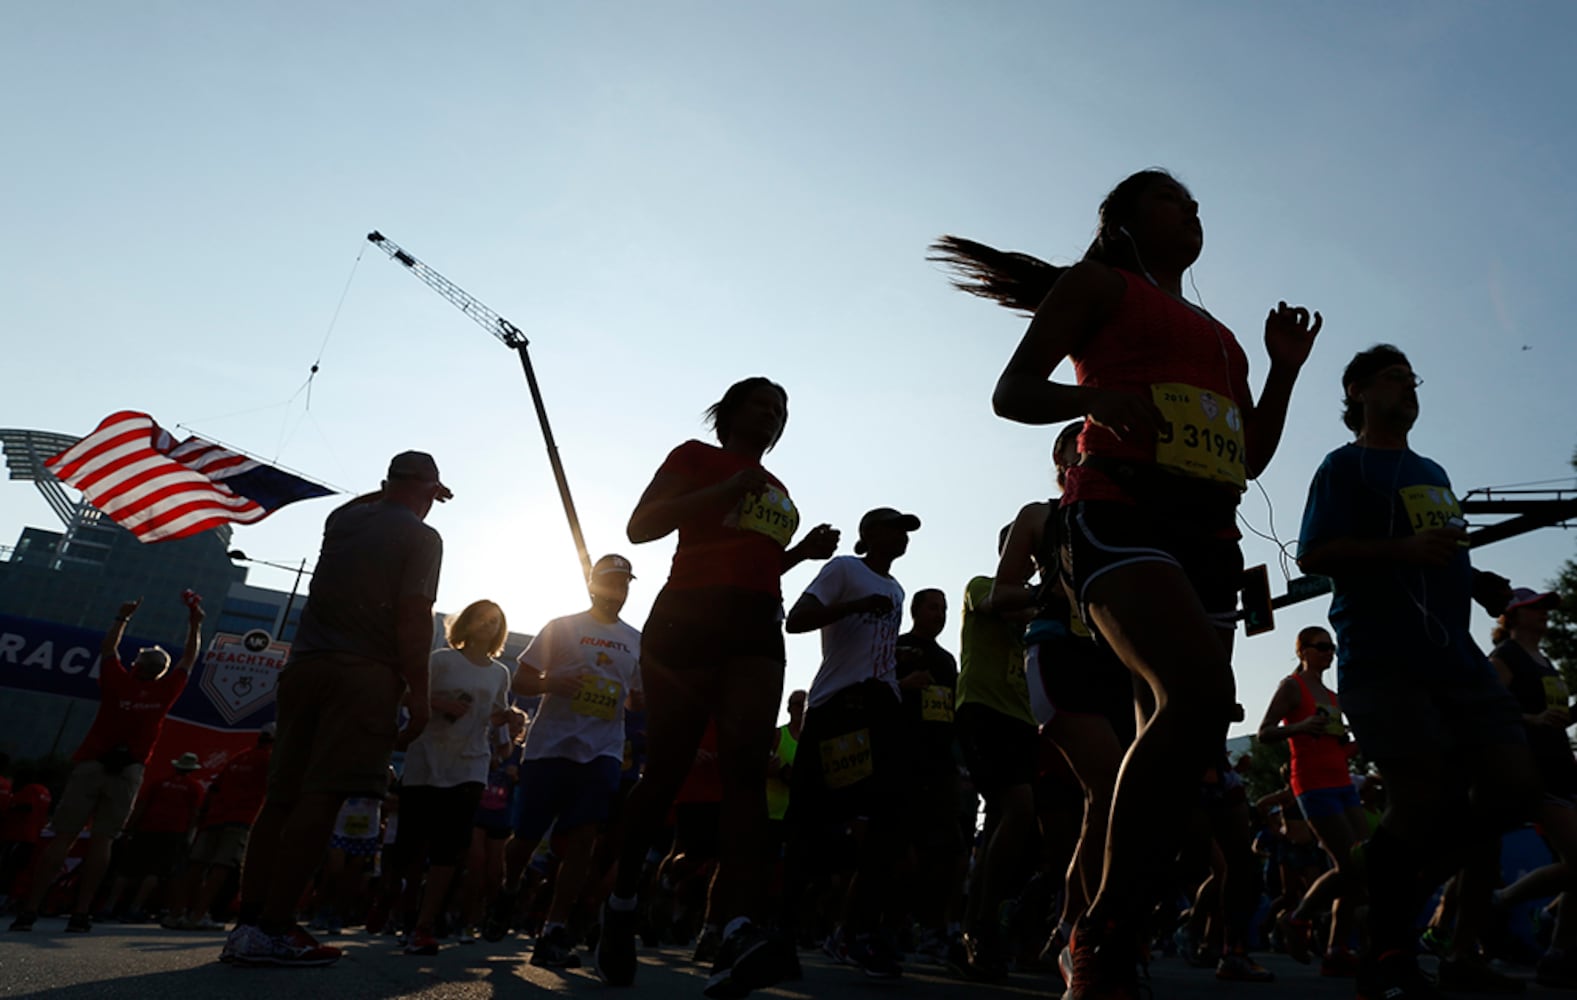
(118, 961)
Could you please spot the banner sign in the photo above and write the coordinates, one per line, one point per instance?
(229, 696)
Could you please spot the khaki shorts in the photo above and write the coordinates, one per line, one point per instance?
(338, 719)
(90, 795)
(221, 846)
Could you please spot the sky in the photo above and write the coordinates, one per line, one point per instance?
(667, 197)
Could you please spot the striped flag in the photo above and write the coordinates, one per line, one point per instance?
(158, 489)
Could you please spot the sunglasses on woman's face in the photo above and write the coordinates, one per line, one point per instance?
(1323, 647)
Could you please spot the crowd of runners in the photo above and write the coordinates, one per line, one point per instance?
(1060, 797)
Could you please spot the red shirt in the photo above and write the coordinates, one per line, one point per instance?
(131, 711)
(171, 805)
(715, 550)
(237, 793)
(26, 815)
(1152, 339)
(1318, 760)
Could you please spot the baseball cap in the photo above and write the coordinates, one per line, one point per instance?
(186, 762)
(610, 564)
(268, 729)
(884, 515)
(418, 466)
(1527, 597)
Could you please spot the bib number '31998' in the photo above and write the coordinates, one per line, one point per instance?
(1202, 434)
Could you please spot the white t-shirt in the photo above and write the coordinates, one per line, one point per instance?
(858, 647)
(451, 752)
(607, 659)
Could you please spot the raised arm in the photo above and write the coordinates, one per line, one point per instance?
(110, 648)
(194, 637)
(1289, 336)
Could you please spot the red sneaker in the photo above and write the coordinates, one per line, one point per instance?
(1294, 937)
(422, 942)
(1103, 964)
(294, 947)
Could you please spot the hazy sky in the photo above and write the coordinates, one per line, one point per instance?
(671, 196)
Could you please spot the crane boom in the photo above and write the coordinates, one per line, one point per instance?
(511, 337)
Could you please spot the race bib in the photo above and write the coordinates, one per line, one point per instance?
(1202, 433)
(771, 513)
(597, 697)
(846, 760)
(358, 825)
(936, 703)
(1335, 727)
(1555, 693)
(1431, 507)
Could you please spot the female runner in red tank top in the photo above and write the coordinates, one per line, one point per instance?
(1150, 549)
(1306, 714)
(712, 648)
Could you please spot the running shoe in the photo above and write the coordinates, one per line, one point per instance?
(1339, 963)
(421, 942)
(1191, 949)
(293, 948)
(239, 940)
(614, 960)
(174, 922)
(465, 935)
(334, 925)
(876, 956)
(1435, 942)
(80, 923)
(1103, 962)
(1474, 975)
(836, 947)
(1294, 937)
(1238, 967)
(1557, 969)
(988, 960)
(24, 920)
(1394, 976)
(554, 950)
(748, 959)
(495, 926)
(708, 945)
(931, 948)
(203, 924)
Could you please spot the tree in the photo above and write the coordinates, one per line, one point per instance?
(1560, 643)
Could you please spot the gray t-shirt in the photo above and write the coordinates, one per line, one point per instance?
(373, 555)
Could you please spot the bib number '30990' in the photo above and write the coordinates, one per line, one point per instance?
(846, 760)
(1202, 433)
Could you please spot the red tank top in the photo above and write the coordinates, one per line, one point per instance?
(741, 546)
(1318, 761)
(1159, 348)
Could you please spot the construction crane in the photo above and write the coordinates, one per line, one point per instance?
(512, 338)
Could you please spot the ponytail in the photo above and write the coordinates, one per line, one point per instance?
(1020, 281)
(1006, 277)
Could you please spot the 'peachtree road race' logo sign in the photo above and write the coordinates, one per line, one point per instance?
(240, 670)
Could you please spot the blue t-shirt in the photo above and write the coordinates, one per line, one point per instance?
(1392, 617)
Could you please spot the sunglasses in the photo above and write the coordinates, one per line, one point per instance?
(1323, 647)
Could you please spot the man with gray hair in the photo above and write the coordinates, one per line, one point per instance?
(107, 768)
(362, 650)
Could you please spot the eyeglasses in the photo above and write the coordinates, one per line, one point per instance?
(1323, 647)
(1407, 378)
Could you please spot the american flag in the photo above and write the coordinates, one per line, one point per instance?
(158, 489)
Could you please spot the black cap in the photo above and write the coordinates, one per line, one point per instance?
(419, 467)
(884, 515)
